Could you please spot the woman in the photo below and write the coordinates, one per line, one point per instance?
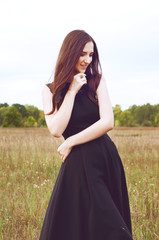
(89, 200)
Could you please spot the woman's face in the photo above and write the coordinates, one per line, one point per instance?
(85, 58)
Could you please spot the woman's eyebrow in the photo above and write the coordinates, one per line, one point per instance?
(86, 52)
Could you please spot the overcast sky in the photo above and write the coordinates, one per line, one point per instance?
(126, 33)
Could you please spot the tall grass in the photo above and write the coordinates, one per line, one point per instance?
(29, 165)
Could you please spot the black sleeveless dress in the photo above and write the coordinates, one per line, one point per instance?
(89, 200)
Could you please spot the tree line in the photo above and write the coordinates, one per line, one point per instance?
(135, 116)
(18, 115)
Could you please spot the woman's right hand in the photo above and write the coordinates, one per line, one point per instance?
(78, 81)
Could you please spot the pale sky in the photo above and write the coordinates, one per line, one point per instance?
(126, 33)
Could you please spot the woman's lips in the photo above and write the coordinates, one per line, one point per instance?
(84, 66)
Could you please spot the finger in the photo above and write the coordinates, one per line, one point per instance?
(84, 81)
(64, 158)
(82, 75)
(58, 150)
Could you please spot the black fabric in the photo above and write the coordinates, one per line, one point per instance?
(89, 200)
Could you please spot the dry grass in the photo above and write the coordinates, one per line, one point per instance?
(30, 164)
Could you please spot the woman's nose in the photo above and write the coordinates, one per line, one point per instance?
(87, 59)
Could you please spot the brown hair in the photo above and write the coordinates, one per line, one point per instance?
(69, 54)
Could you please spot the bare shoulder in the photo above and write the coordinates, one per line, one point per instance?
(47, 99)
(46, 90)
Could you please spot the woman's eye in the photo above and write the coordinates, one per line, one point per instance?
(83, 54)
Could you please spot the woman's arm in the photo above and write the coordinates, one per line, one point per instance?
(99, 128)
(58, 121)
(103, 125)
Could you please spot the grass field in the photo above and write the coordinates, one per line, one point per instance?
(29, 165)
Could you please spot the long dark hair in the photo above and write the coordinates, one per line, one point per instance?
(69, 54)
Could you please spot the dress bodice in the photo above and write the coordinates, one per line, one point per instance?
(85, 112)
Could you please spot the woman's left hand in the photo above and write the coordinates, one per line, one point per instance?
(64, 149)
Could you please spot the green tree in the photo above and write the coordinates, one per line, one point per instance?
(30, 122)
(41, 120)
(21, 109)
(2, 111)
(155, 120)
(125, 118)
(133, 110)
(144, 115)
(33, 111)
(117, 110)
(12, 118)
(154, 117)
(4, 105)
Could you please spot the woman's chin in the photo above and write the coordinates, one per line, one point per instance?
(82, 70)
